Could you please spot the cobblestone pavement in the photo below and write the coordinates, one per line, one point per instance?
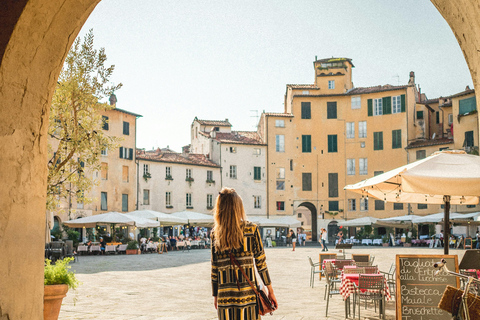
(177, 285)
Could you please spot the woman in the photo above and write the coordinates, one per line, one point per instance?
(233, 234)
(324, 239)
(294, 239)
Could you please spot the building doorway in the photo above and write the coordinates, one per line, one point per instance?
(313, 210)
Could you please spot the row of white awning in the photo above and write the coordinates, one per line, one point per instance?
(152, 219)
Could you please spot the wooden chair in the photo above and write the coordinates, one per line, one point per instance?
(339, 264)
(323, 256)
(314, 270)
(331, 285)
(356, 270)
(370, 287)
(371, 270)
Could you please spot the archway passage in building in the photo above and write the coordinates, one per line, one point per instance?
(313, 210)
(35, 39)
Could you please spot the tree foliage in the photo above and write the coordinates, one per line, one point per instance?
(76, 138)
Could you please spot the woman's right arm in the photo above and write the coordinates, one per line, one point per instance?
(214, 275)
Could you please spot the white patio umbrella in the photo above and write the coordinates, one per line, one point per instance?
(446, 177)
(165, 219)
(263, 221)
(289, 220)
(434, 218)
(473, 218)
(112, 218)
(359, 222)
(195, 218)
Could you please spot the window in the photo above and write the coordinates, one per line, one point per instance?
(280, 173)
(377, 107)
(126, 128)
(306, 181)
(188, 200)
(306, 110)
(257, 151)
(257, 173)
(80, 199)
(233, 172)
(168, 172)
(468, 142)
(419, 115)
(281, 205)
(146, 196)
(280, 123)
(280, 185)
(217, 129)
(396, 139)
(378, 140)
(125, 174)
(257, 202)
(124, 202)
(352, 204)
(422, 206)
(299, 215)
(364, 204)
(376, 173)
(332, 205)
(104, 152)
(209, 175)
(421, 154)
(168, 199)
(350, 130)
(305, 92)
(356, 102)
(209, 201)
(126, 153)
(331, 84)
(467, 105)
(103, 204)
(306, 143)
(333, 185)
(146, 169)
(280, 143)
(291, 165)
(188, 174)
(332, 110)
(362, 129)
(104, 168)
(379, 205)
(233, 149)
(437, 117)
(397, 206)
(351, 167)
(332, 143)
(362, 144)
(363, 166)
(104, 122)
(450, 119)
(396, 104)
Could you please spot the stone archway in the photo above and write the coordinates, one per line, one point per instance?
(313, 210)
(36, 36)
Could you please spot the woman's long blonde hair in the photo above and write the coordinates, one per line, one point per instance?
(229, 216)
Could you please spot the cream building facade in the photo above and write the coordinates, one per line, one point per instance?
(241, 156)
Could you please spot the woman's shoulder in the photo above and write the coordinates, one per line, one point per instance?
(249, 227)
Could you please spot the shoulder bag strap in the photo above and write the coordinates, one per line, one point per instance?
(235, 262)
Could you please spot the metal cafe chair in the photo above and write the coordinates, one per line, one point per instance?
(314, 269)
(331, 285)
(371, 269)
(324, 256)
(370, 287)
(390, 278)
(357, 270)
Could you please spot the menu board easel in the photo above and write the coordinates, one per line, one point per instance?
(419, 290)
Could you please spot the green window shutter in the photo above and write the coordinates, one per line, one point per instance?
(378, 140)
(396, 139)
(332, 143)
(306, 110)
(332, 110)
(387, 105)
(468, 139)
(467, 105)
(257, 173)
(370, 107)
(437, 117)
(402, 98)
(306, 143)
(306, 181)
(381, 141)
(333, 185)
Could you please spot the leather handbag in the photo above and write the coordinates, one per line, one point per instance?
(265, 305)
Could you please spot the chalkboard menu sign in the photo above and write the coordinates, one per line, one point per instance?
(419, 290)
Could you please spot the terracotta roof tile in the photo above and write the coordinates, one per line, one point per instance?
(380, 88)
(429, 142)
(274, 114)
(429, 101)
(217, 123)
(171, 157)
(303, 86)
(239, 137)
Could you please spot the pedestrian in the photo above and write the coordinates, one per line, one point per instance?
(294, 239)
(323, 238)
(340, 236)
(304, 238)
(236, 243)
(478, 239)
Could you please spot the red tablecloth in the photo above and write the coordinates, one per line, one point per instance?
(333, 261)
(349, 279)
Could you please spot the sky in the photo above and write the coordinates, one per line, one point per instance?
(213, 59)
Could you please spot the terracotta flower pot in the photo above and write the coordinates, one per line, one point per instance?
(52, 300)
(132, 251)
(385, 244)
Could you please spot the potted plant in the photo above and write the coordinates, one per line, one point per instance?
(57, 280)
(408, 242)
(132, 247)
(385, 241)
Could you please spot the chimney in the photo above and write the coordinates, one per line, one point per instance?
(113, 99)
(213, 133)
(411, 81)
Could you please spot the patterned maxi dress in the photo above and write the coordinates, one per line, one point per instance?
(235, 304)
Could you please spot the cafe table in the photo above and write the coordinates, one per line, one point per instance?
(367, 241)
(347, 287)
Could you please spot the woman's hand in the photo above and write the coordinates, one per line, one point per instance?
(271, 296)
(215, 299)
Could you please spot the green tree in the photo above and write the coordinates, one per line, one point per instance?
(76, 138)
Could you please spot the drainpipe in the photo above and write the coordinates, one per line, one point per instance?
(267, 166)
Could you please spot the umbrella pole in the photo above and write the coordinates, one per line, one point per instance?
(446, 224)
